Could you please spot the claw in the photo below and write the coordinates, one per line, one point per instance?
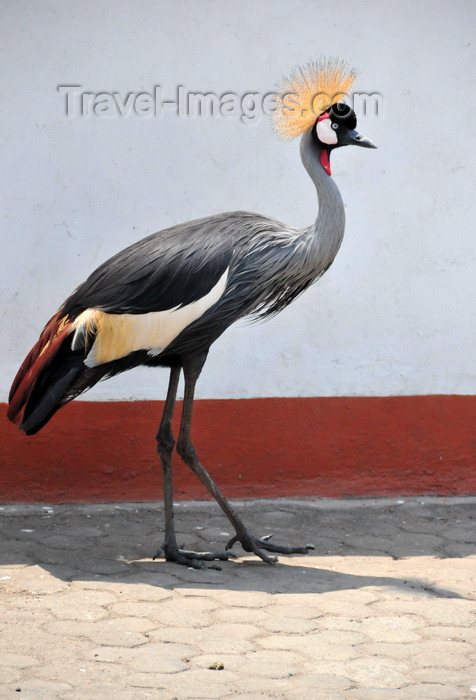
(248, 541)
(231, 542)
(251, 543)
(158, 553)
(192, 559)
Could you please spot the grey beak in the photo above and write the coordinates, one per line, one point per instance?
(356, 139)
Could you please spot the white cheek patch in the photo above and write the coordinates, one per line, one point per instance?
(325, 132)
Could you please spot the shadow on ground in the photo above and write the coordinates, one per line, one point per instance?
(114, 543)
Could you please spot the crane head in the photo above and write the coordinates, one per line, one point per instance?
(311, 98)
(337, 127)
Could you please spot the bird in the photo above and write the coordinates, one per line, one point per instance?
(164, 300)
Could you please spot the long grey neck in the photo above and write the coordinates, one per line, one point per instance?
(328, 229)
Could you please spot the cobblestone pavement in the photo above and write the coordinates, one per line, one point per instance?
(385, 607)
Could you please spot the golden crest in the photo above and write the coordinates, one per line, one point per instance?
(308, 92)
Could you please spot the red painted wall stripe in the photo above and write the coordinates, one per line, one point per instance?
(377, 446)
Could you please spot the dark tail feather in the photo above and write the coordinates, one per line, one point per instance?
(43, 404)
(53, 374)
(22, 381)
(46, 373)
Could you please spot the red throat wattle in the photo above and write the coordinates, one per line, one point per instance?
(325, 162)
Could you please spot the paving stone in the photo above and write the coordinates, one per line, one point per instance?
(236, 599)
(311, 611)
(175, 635)
(386, 615)
(289, 687)
(443, 654)
(225, 638)
(451, 633)
(12, 660)
(428, 691)
(391, 650)
(145, 592)
(319, 681)
(115, 632)
(273, 664)
(33, 690)
(150, 658)
(381, 629)
(371, 672)
(459, 549)
(297, 693)
(248, 696)
(339, 636)
(382, 693)
(231, 662)
(10, 677)
(71, 665)
(29, 644)
(79, 605)
(201, 683)
(34, 580)
(289, 625)
(310, 645)
(109, 692)
(340, 608)
(180, 612)
(244, 615)
(448, 676)
(153, 685)
(147, 586)
(436, 611)
(130, 624)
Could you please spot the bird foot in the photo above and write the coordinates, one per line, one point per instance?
(251, 543)
(196, 560)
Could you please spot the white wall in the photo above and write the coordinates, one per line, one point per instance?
(395, 313)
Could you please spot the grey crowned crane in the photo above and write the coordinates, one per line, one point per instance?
(164, 300)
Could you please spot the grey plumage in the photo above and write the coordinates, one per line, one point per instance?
(236, 264)
(270, 264)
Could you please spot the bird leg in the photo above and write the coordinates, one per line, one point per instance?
(165, 445)
(192, 366)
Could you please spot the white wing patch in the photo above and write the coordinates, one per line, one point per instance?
(117, 335)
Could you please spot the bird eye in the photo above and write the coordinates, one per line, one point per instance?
(335, 126)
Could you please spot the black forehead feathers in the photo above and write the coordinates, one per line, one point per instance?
(341, 113)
